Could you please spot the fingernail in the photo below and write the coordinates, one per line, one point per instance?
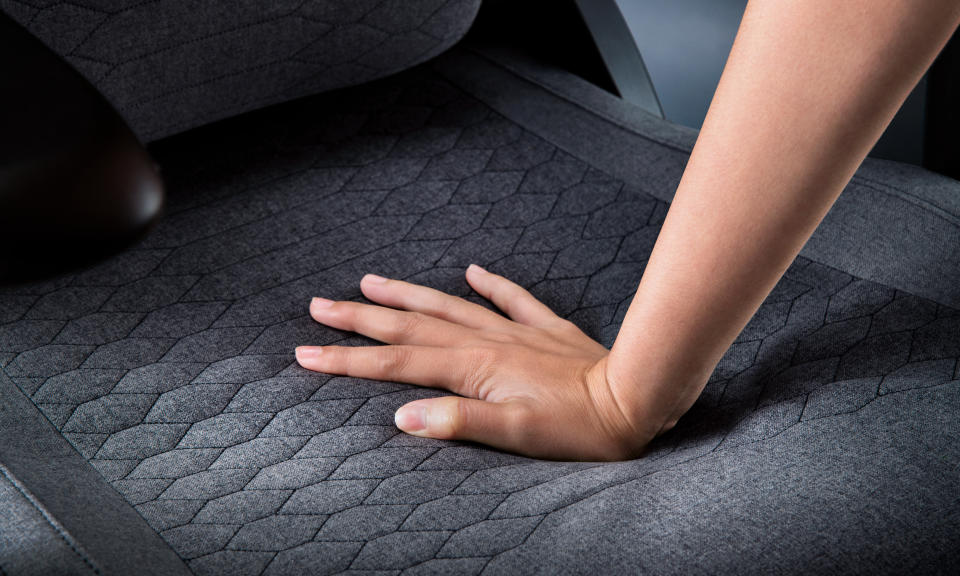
(475, 268)
(307, 352)
(411, 418)
(321, 303)
(374, 279)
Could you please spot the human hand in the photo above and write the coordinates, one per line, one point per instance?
(534, 384)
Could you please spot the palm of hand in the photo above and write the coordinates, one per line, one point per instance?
(534, 384)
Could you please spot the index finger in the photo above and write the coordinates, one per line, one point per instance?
(448, 368)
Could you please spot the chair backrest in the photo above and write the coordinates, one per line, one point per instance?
(170, 65)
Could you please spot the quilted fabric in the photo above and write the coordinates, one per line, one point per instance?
(826, 438)
(169, 65)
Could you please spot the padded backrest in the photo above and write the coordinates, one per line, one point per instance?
(170, 65)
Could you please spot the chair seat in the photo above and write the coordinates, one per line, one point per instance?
(827, 438)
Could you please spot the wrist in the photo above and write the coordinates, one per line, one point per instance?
(654, 388)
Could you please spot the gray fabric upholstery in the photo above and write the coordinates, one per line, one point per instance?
(77, 518)
(169, 65)
(31, 541)
(827, 438)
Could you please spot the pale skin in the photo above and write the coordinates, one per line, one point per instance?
(808, 88)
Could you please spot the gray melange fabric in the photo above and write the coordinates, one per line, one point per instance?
(31, 541)
(170, 65)
(826, 440)
(72, 500)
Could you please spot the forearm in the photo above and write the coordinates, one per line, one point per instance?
(807, 90)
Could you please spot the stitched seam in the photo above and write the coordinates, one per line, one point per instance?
(616, 123)
(50, 520)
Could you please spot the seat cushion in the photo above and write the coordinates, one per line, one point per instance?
(826, 439)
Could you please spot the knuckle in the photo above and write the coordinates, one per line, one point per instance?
(506, 285)
(392, 360)
(519, 291)
(443, 307)
(408, 324)
(511, 298)
(457, 414)
(484, 358)
(447, 418)
(480, 363)
(480, 355)
(347, 312)
(567, 327)
(515, 290)
(522, 424)
(521, 294)
(520, 419)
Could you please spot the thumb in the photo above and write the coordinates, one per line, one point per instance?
(457, 418)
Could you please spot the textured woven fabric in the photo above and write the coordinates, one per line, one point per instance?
(169, 65)
(827, 438)
(31, 542)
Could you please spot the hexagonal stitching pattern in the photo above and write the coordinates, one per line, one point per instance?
(170, 368)
(171, 65)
